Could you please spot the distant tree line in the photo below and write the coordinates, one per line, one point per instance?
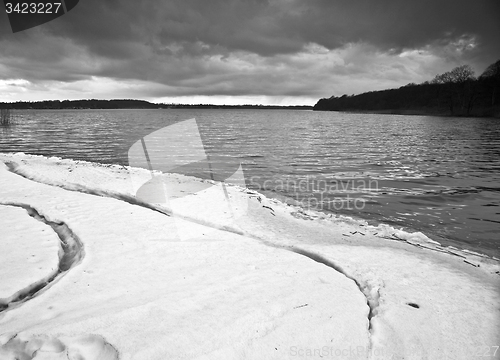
(130, 104)
(457, 92)
(80, 104)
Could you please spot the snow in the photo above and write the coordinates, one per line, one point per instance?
(453, 307)
(30, 252)
(231, 276)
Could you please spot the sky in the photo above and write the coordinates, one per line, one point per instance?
(283, 52)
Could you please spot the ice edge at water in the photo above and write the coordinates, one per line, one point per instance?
(385, 231)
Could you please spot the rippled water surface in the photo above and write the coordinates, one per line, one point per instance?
(437, 175)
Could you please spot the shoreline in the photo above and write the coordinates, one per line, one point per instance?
(282, 264)
(413, 238)
(453, 245)
(409, 112)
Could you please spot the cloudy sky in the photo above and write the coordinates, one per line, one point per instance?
(244, 51)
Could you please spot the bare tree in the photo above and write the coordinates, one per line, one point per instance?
(492, 78)
(492, 71)
(462, 74)
(459, 74)
(459, 88)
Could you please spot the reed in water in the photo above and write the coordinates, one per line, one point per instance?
(5, 117)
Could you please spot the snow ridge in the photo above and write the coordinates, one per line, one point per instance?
(14, 168)
(71, 255)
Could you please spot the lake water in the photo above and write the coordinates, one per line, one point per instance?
(437, 175)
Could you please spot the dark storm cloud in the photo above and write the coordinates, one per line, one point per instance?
(269, 27)
(230, 47)
(397, 24)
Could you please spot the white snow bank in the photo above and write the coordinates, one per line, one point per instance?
(152, 296)
(423, 309)
(185, 193)
(281, 283)
(30, 252)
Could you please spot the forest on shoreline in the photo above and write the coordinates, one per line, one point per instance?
(455, 93)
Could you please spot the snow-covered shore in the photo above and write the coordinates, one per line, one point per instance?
(203, 278)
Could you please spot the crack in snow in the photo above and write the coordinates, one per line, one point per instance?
(371, 294)
(14, 168)
(71, 256)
